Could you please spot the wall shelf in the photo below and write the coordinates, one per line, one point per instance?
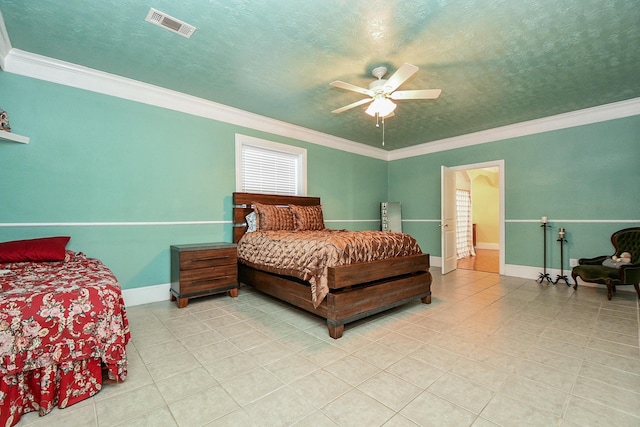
(8, 136)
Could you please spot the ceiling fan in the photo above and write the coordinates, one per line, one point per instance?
(381, 92)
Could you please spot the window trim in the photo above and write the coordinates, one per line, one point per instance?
(299, 153)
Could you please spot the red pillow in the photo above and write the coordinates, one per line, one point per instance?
(42, 249)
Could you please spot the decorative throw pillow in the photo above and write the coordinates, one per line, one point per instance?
(308, 217)
(251, 222)
(273, 218)
(37, 250)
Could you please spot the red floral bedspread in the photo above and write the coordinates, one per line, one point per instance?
(308, 254)
(59, 321)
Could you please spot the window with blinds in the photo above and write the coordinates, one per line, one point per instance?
(268, 167)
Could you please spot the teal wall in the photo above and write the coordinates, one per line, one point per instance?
(101, 159)
(582, 178)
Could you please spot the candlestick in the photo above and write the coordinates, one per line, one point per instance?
(561, 276)
(544, 275)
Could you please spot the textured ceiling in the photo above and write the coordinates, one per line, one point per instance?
(497, 62)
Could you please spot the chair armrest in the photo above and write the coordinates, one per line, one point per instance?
(630, 273)
(592, 261)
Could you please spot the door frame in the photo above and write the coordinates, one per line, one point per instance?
(501, 208)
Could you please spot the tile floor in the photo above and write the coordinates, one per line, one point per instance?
(489, 351)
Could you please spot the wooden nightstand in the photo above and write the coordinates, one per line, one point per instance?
(203, 269)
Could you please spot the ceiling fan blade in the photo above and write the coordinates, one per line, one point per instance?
(416, 94)
(349, 86)
(352, 105)
(401, 75)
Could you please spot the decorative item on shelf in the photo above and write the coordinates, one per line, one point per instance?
(544, 275)
(4, 121)
(561, 238)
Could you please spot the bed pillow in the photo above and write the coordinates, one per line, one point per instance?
(308, 217)
(273, 218)
(251, 222)
(34, 250)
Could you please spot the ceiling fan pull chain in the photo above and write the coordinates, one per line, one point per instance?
(383, 131)
(377, 120)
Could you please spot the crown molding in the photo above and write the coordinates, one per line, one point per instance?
(68, 74)
(616, 110)
(43, 68)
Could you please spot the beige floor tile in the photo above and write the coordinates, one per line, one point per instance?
(323, 353)
(320, 387)
(607, 395)
(428, 410)
(237, 418)
(581, 412)
(251, 386)
(611, 375)
(283, 407)
(506, 411)
(551, 377)
(535, 394)
(291, 368)
(390, 390)
(161, 417)
(534, 354)
(480, 373)
(316, 419)
(473, 399)
(355, 408)
(378, 355)
(214, 352)
(203, 408)
(352, 370)
(185, 384)
(415, 372)
(230, 367)
(436, 356)
(268, 352)
(627, 364)
(400, 343)
(249, 340)
(132, 404)
(172, 365)
(400, 421)
(72, 416)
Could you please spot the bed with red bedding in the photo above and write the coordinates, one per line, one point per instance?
(62, 326)
(340, 275)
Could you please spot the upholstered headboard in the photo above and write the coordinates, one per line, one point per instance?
(242, 207)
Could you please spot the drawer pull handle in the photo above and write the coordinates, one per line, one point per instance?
(210, 258)
(193, 282)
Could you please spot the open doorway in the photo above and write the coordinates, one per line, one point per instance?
(482, 219)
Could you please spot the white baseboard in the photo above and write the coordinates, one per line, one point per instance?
(155, 293)
(146, 294)
(487, 245)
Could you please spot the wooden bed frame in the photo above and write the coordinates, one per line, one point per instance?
(355, 291)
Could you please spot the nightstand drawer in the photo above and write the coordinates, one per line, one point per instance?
(221, 272)
(207, 258)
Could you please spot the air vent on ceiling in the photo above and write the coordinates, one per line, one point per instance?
(161, 19)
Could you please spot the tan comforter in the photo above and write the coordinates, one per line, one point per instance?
(308, 254)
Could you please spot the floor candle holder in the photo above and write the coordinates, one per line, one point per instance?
(561, 276)
(544, 275)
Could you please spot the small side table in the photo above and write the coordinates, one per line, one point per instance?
(203, 269)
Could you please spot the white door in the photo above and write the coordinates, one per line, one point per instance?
(448, 219)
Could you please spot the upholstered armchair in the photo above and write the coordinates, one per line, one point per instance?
(612, 274)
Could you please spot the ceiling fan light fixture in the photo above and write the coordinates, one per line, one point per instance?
(381, 107)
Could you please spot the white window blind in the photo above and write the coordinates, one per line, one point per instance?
(268, 167)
